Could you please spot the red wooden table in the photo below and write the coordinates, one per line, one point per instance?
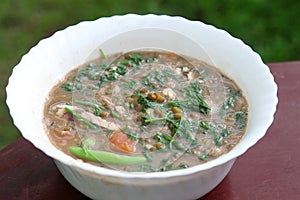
(269, 170)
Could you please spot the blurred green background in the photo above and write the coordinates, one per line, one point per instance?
(271, 28)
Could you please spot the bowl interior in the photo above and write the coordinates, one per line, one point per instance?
(152, 38)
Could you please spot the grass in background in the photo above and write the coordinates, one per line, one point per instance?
(270, 27)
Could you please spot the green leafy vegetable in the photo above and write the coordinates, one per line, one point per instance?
(183, 166)
(229, 101)
(121, 69)
(103, 73)
(93, 104)
(218, 131)
(178, 103)
(68, 87)
(135, 59)
(157, 77)
(240, 120)
(196, 100)
(146, 103)
(129, 85)
(204, 157)
(169, 140)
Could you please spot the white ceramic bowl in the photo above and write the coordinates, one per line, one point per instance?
(52, 58)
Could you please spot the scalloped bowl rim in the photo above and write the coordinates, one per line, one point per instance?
(53, 152)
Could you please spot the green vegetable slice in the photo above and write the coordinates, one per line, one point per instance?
(80, 118)
(106, 157)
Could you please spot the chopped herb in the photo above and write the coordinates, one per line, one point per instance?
(167, 137)
(95, 105)
(153, 59)
(218, 139)
(225, 132)
(166, 167)
(68, 87)
(121, 69)
(112, 76)
(147, 168)
(102, 55)
(186, 130)
(204, 125)
(133, 136)
(219, 135)
(229, 101)
(129, 85)
(146, 103)
(158, 137)
(240, 120)
(218, 131)
(131, 105)
(183, 166)
(177, 103)
(100, 72)
(115, 115)
(193, 101)
(204, 157)
(134, 58)
(194, 92)
(157, 77)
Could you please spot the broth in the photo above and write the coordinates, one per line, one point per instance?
(145, 111)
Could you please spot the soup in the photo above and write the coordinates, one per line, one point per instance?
(145, 111)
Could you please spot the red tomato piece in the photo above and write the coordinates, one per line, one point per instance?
(120, 141)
